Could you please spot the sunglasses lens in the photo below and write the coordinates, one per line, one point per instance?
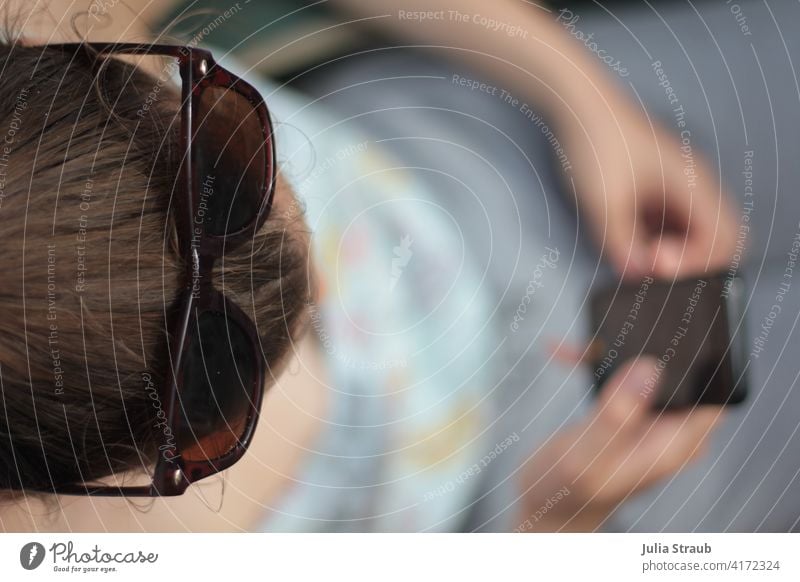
(218, 387)
(232, 169)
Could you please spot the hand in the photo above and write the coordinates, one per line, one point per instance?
(575, 480)
(634, 187)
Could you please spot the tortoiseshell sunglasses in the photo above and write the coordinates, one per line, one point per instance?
(215, 382)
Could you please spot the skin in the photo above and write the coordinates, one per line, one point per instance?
(626, 169)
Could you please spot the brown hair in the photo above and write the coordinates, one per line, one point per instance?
(90, 265)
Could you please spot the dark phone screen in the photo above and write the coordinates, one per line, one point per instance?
(685, 325)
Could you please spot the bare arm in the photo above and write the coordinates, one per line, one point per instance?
(624, 165)
(518, 43)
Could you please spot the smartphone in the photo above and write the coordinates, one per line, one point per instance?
(694, 327)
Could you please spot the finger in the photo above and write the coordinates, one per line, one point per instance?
(623, 400)
(667, 256)
(710, 237)
(663, 447)
(666, 220)
(626, 243)
(619, 411)
(676, 253)
(712, 234)
(571, 354)
(674, 440)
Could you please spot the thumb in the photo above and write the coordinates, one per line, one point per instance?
(625, 242)
(625, 396)
(668, 257)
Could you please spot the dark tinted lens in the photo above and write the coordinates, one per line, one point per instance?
(219, 375)
(230, 161)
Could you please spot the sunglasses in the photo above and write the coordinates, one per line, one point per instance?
(208, 406)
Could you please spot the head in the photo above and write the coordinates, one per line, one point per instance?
(91, 266)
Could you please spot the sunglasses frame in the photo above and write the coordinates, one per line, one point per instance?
(198, 70)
